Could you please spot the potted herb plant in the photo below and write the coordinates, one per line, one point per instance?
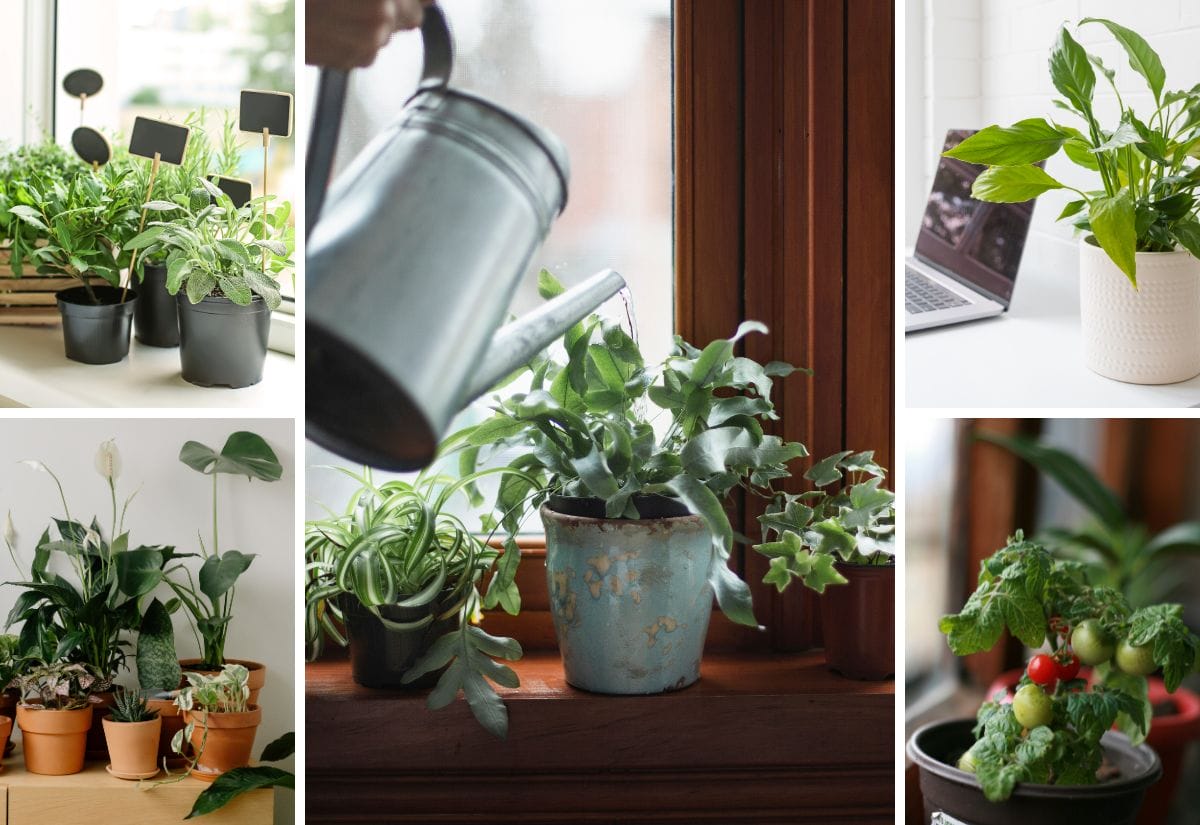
(1121, 553)
(396, 577)
(132, 730)
(55, 716)
(220, 721)
(1049, 755)
(841, 533)
(79, 219)
(1139, 269)
(223, 263)
(156, 316)
(637, 538)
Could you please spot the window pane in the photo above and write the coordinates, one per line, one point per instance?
(599, 77)
(12, 67)
(166, 58)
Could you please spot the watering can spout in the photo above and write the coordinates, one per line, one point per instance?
(518, 342)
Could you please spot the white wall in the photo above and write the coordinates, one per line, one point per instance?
(173, 505)
(999, 49)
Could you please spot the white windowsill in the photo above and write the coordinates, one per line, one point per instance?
(34, 372)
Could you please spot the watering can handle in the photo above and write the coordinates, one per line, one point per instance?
(331, 102)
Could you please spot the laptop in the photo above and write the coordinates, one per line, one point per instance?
(968, 252)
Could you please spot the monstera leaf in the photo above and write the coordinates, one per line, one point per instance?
(244, 453)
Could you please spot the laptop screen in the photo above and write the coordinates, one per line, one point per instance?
(979, 243)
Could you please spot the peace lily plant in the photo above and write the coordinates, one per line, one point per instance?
(1140, 224)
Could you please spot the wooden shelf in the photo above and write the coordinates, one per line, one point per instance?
(760, 738)
(99, 799)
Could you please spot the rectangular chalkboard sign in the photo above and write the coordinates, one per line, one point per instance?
(156, 137)
(238, 190)
(266, 110)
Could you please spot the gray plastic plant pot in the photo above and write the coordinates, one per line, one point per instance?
(96, 333)
(936, 747)
(156, 319)
(223, 344)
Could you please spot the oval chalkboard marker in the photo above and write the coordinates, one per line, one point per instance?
(83, 83)
(91, 146)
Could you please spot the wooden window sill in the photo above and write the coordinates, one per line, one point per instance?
(760, 738)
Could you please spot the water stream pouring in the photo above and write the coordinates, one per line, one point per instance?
(420, 247)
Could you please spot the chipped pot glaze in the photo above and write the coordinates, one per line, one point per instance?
(630, 600)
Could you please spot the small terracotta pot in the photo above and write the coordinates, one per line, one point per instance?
(172, 723)
(8, 707)
(224, 741)
(258, 674)
(6, 729)
(97, 748)
(858, 622)
(54, 740)
(132, 748)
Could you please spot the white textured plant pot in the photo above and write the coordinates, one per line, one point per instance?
(1150, 335)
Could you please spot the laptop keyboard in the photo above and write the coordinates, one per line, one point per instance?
(923, 294)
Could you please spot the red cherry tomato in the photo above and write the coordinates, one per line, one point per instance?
(1068, 666)
(1042, 669)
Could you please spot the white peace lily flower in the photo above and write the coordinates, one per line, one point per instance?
(108, 460)
(91, 537)
(10, 531)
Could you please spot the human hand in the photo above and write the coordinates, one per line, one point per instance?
(345, 34)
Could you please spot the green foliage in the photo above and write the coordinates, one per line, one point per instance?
(397, 544)
(854, 522)
(130, 707)
(58, 685)
(224, 692)
(1023, 588)
(586, 429)
(213, 248)
(1119, 551)
(157, 662)
(238, 781)
(1147, 200)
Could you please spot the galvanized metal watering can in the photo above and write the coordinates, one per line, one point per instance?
(421, 244)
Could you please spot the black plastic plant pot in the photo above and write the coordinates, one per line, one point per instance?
(222, 344)
(156, 319)
(96, 333)
(935, 749)
(379, 655)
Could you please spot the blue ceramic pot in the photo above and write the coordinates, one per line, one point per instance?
(630, 600)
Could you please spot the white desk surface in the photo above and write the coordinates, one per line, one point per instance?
(34, 372)
(1030, 357)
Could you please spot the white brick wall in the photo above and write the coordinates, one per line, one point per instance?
(1011, 80)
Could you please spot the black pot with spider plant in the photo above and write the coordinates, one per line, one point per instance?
(839, 540)
(156, 316)
(396, 578)
(75, 223)
(630, 466)
(223, 266)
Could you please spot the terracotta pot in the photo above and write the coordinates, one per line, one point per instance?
(54, 741)
(224, 740)
(172, 723)
(1170, 736)
(97, 748)
(132, 747)
(936, 748)
(6, 729)
(258, 674)
(9, 700)
(858, 622)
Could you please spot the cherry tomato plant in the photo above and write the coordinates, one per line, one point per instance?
(1050, 732)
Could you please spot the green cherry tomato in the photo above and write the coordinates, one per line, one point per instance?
(1092, 644)
(1032, 707)
(1138, 661)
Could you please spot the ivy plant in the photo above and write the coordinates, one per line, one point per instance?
(397, 544)
(1147, 196)
(849, 517)
(212, 248)
(603, 424)
(1051, 732)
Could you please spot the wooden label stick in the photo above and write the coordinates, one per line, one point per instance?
(266, 146)
(142, 221)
